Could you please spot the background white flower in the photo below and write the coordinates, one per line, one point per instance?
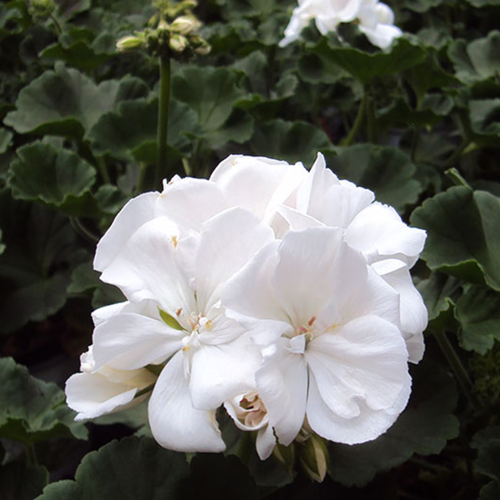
(375, 19)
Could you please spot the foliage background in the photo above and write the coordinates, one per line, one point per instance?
(78, 139)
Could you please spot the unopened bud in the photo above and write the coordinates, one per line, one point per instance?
(185, 24)
(178, 43)
(129, 43)
(285, 455)
(314, 458)
(203, 50)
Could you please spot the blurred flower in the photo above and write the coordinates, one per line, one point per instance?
(375, 19)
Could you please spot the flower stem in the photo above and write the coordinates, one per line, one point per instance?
(103, 169)
(458, 368)
(347, 141)
(371, 122)
(31, 454)
(163, 111)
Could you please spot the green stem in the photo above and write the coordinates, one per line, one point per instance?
(455, 156)
(163, 111)
(103, 169)
(458, 369)
(31, 454)
(371, 121)
(347, 141)
(57, 24)
(454, 175)
(140, 180)
(78, 226)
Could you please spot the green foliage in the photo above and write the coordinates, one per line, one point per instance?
(19, 481)
(33, 410)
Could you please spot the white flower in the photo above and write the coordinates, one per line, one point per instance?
(376, 230)
(329, 327)
(376, 19)
(177, 278)
(93, 393)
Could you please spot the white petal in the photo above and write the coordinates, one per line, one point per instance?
(132, 216)
(311, 192)
(94, 395)
(257, 184)
(282, 384)
(414, 314)
(369, 425)
(298, 221)
(219, 372)
(383, 35)
(147, 268)
(265, 442)
(250, 298)
(378, 231)
(315, 267)
(128, 341)
(363, 360)
(175, 424)
(228, 241)
(190, 202)
(146, 307)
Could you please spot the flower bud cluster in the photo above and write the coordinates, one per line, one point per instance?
(280, 294)
(41, 10)
(171, 32)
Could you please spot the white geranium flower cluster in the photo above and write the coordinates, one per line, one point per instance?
(282, 295)
(375, 19)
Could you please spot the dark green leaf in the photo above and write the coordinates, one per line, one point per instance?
(290, 141)
(130, 133)
(35, 267)
(478, 311)
(462, 234)
(365, 67)
(5, 140)
(33, 410)
(19, 481)
(386, 171)
(423, 428)
(66, 102)
(130, 469)
(213, 93)
(478, 60)
(58, 178)
(68, 9)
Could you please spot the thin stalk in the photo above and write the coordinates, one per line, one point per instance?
(455, 156)
(164, 106)
(31, 454)
(347, 141)
(103, 169)
(458, 369)
(371, 121)
(140, 180)
(57, 24)
(416, 131)
(78, 226)
(454, 175)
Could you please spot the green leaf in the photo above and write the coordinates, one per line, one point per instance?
(422, 6)
(290, 141)
(423, 428)
(365, 67)
(386, 171)
(478, 311)
(439, 293)
(485, 116)
(2, 245)
(67, 9)
(213, 93)
(487, 442)
(84, 278)
(462, 235)
(130, 133)
(130, 469)
(478, 60)
(19, 481)
(5, 140)
(60, 179)
(66, 102)
(252, 8)
(35, 267)
(79, 48)
(33, 410)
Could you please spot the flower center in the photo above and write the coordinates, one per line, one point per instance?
(251, 411)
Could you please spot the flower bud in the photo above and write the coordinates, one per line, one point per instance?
(314, 458)
(185, 24)
(178, 43)
(129, 43)
(285, 455)
(203, 49)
